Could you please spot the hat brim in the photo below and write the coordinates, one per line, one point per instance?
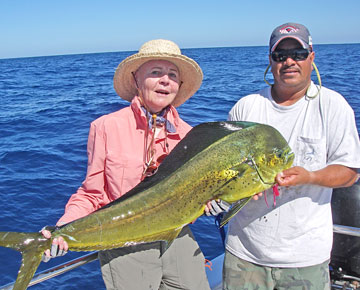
(190, 73)
(303, 44)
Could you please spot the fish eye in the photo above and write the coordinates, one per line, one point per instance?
(278, 153)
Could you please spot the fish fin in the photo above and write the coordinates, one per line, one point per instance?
(29, 265)
(241, 168)
(32, 247)
(226, 191)
(236, 207)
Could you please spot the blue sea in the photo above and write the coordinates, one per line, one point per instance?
(47, 104)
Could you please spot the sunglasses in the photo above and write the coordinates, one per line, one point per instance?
(295, 54)
(152, 167)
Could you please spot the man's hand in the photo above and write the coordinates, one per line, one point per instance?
(294, 176)
(331, 176)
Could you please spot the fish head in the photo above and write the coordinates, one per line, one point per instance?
(270, 154)
(269, 164)
(258, 154)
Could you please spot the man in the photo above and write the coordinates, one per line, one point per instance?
(287, 245)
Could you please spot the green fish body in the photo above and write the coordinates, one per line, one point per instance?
(221, 160)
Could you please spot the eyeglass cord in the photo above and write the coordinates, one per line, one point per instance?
(149, 150)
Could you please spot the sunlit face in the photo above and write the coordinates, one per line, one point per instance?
(291, 73)
(159, 82)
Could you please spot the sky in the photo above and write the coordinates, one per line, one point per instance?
(44, 27)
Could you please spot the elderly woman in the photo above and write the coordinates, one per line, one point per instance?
(125, 147)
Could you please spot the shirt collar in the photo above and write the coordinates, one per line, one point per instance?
(141, 120)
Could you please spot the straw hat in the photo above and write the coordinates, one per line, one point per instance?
(190, 72)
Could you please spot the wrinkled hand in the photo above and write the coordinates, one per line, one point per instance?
(215, 207)
(59, 246)
(294, 176)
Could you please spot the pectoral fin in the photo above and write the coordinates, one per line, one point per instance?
(236, 207)
(236, 187)
(241, 168)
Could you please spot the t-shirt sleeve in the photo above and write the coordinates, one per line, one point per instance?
(343, 145)
(236, 112)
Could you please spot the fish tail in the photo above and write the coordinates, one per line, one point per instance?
(32, 247)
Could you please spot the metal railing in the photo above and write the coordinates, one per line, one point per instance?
(57, 270)
(68, 266)
(345, 230)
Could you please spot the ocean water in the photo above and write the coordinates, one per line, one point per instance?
(47, 104)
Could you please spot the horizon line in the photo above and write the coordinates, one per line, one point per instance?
(184, 48)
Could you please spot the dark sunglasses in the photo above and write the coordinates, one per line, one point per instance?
(152, 167)
(295, 54)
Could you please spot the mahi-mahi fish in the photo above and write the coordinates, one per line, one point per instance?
(231, 161)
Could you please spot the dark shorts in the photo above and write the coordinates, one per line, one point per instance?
(140, 267)
(240, 274)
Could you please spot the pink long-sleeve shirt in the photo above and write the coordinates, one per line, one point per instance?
(116, 157)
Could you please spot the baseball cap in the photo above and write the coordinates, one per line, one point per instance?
(291, 30)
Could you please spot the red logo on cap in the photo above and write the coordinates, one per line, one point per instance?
(288, 29)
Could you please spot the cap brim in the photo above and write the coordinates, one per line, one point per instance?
(303, 44)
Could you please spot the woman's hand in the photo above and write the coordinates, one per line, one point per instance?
(215, 207)
(59, 246)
